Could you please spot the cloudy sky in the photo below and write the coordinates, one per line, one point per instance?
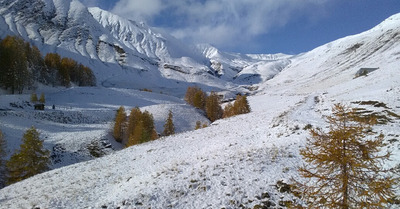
(256, 26)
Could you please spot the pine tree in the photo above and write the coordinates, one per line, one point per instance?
(345, 165)
(3, 154)
(34, 98)
(120, 118)
(42, 99)
(169, 128)
(213, 109)
(30, 160)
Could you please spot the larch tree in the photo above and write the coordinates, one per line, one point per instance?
(14, 71)
(3, 154)
(169, 128)
(53, 64)
(149, 132)
(345, 166)
(42, 99)
(31, 159)
(241, 105)
(140, 128)
(213, 108)
(196, 97)
(119, 121)
(134, 118)
(34, 98)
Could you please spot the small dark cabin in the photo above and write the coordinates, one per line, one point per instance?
(39, 106)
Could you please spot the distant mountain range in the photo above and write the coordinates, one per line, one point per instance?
(126, 53)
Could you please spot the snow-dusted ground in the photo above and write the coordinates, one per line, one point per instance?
(234, 161)
(83, 116)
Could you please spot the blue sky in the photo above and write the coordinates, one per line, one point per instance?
(256, 26)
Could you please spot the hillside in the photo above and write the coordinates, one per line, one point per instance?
(235, 162)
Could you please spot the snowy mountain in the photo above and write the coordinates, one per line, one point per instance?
(235, 162)
(123, 53)
(244, 68)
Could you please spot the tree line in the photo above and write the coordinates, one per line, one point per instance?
(138, 127)
(22, 64)
(211, 104)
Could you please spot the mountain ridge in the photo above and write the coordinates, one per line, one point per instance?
(104, 41)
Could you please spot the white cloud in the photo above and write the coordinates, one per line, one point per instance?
(90, 3)
(220, 22)
(138, 9)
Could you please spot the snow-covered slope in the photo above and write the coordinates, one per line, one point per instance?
(238, 161)
(83, 116)
(339, 61)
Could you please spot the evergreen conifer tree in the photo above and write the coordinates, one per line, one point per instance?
(31, 159)
(345, 165)
(169, 128)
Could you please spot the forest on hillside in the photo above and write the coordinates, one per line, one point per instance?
(22, 66)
